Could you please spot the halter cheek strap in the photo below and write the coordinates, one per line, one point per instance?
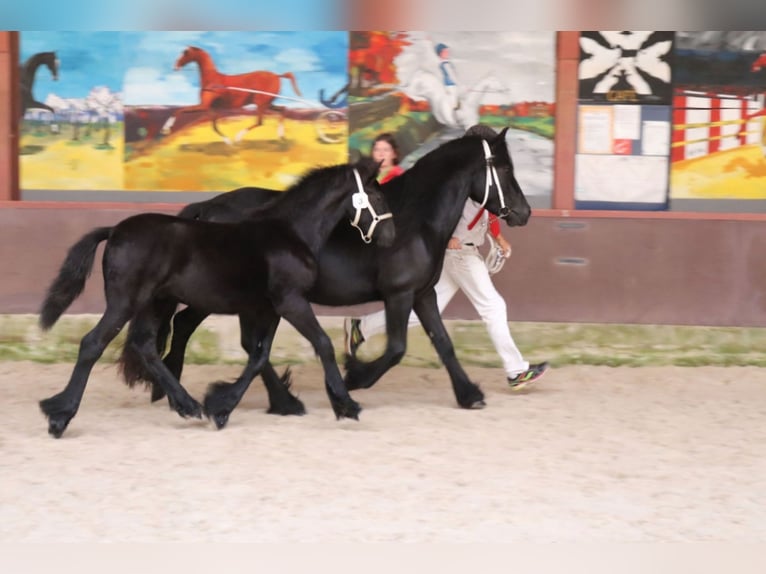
(361, 202)
(492, 177)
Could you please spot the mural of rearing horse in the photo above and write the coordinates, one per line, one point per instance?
(27, 80)
(220, 91)
(426, 201)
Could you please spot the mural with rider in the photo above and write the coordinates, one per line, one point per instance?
(428, 87)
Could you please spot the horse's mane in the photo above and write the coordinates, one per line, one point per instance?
(411, 196)
(326, 179)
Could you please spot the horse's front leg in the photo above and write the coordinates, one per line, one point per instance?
(362, 375)
(468, 394)
(221, 397)
(296, 309)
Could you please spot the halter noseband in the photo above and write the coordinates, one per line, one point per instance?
(492, 178)
(361, 201)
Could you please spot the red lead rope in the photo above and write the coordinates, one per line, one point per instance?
(494, 224)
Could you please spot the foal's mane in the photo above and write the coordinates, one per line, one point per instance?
(412, 195)
(303, 195)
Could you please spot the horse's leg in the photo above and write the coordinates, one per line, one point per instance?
(362, 375)
(61, 408)
(468, 394)
(144, 342)
(281, 400)
(297, 311)
(185, 322)
(214, 115)
(222, 398)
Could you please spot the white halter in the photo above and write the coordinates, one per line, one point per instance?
(491, 177)
(361, 201)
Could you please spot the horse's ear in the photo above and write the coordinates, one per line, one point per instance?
(368, 168)
(501, 136)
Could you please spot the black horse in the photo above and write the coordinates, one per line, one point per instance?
(427, 201)
(261, 268)
(27, 79)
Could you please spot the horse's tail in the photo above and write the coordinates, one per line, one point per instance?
(72, 276)
(291, 77)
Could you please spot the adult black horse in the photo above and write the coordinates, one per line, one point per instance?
(27, 79)
(427, 201)
(261, 268)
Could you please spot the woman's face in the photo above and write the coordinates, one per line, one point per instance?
(382, 151)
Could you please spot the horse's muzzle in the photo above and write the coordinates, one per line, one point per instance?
(518, 217)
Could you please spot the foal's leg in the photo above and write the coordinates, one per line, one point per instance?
(362, 375)
(297, 311)
(61, 408)
(144, 342)
(185, 322)
(222, 398)
(468, 394)
(281, 400)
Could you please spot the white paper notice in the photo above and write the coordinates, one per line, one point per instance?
(627, 122)
(613, 178)
(595, 129)
(656, 138)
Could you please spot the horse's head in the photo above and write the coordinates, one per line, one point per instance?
(498, 191)
(369, 209)
(190, 54)
(52, 62)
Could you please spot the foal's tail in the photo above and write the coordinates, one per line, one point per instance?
(72, 276)
(291, 77)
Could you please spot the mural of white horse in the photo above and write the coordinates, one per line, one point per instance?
(426, 85)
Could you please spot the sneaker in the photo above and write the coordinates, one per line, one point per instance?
(533, 373)
(352, 335)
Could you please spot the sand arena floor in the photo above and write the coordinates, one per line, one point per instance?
(590, 454)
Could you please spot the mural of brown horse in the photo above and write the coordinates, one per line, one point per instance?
(220, 91)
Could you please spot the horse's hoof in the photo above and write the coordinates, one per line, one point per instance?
(478, 405)
(56, 428)
(294, 408)
(348, 410)
(220, 420)
(190, 409)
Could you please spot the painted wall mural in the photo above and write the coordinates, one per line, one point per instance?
(180, 111)
(429, 87)
(719, 118)
(214, 111)
(71, 111)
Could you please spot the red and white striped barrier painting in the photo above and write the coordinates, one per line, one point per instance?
(706, 122)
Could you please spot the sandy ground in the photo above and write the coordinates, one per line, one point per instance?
(590, 454)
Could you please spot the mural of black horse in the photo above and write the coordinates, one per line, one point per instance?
(27, 79)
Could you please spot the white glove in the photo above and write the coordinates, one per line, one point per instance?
(496, 257)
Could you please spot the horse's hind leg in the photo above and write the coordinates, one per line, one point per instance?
(222, 398)
(185, 322)
(468, 394)
(281, 400)
(61, 408)
(297, 310)
(144, 342)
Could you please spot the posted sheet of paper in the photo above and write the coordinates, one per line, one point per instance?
(595, 129)
(656, 138)
(627, 122)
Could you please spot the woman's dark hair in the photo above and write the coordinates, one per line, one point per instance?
(389, 139)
